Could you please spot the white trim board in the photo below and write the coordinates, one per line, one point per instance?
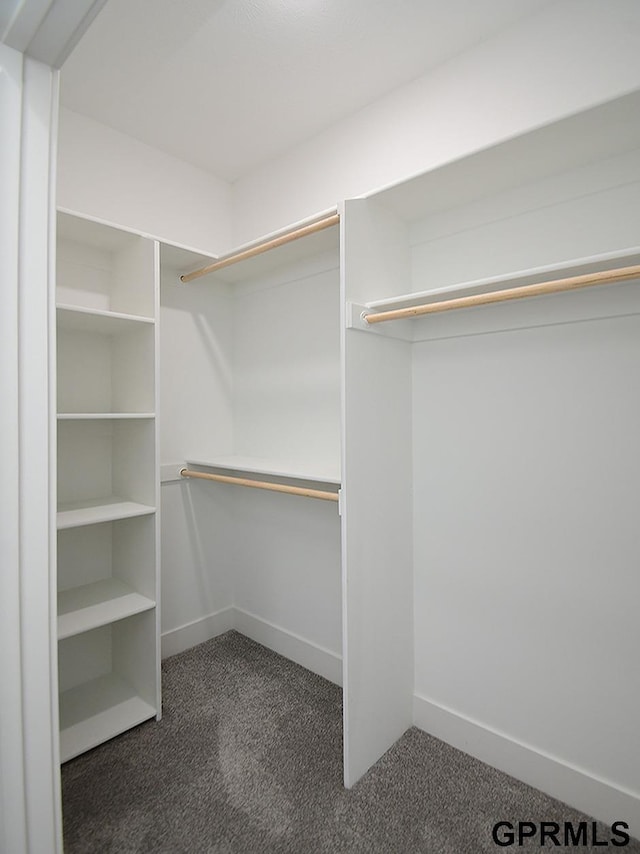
(304, 652)
(198, 631)
(575, 786)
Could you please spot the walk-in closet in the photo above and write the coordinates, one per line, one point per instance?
(444, 410)
(367, 398)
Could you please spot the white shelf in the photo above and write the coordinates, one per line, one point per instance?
(97, 711)
(182, 259)
(269, 468)
(98, 321)
(552, 149)
(99, 510)
(92, 605)
(326, 240)
(103, 416)
(535, 275)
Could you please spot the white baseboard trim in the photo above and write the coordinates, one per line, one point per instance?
(310, 655)
(597, 797)
(315, 658)
(198, 631)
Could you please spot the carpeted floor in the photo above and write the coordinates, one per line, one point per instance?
(248, 758)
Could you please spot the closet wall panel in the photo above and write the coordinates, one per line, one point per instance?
(526, 536)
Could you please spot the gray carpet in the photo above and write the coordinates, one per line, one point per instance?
(248, 758)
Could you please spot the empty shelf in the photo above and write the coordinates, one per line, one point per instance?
(270, 468)
(519, 278)
(96, 711)
(98, 320)
(99, 510)
(91, 605)
(103, 416)
(299, 241)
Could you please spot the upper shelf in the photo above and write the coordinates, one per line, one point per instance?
(520, 278)
(275, 250)
(269, 468)
(440, 312)
(604, 131)
(176, 259)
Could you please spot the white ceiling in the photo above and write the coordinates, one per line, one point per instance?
(229, 84)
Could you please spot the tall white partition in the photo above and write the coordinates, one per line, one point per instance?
(377, 504)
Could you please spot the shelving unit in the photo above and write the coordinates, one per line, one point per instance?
(495, 447)
(108, 484)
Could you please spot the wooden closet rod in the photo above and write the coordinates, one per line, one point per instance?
(259, 248)
(605, 277)
(261, 484)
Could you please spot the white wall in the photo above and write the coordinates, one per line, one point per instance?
(104, 174)
(572, 55)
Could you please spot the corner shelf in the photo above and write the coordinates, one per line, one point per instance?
(240, 264)
(89, 606)
(268, 468)
(99, 510)
(97, 711)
